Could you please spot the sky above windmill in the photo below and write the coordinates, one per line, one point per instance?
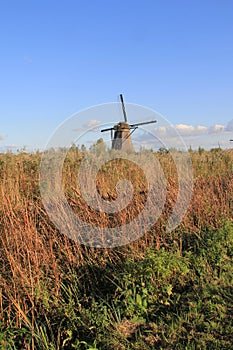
(60, 57)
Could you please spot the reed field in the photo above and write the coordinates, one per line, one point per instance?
(162, 291)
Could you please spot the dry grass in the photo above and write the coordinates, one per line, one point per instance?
(33, 255)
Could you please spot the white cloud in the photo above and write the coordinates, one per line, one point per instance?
(92, 124)
(182, 129)
(2, 137)
(193, 136)
(215, 129)
(162, 129)
(190, 130)
(201, 129)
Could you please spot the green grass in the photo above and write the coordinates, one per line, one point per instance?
(158, 300)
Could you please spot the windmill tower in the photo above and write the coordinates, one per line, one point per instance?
(122, 131)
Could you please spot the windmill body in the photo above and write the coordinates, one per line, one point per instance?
(121, 132)
(122, 139)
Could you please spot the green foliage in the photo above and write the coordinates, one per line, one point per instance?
(146, 286)
(161, 299)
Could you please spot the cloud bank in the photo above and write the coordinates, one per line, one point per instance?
(190, 130)
(208, 137)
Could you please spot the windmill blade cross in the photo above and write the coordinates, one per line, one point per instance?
(121, 132)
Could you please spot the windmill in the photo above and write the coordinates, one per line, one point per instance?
(122, 131)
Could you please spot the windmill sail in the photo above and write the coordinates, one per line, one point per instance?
(123, 108)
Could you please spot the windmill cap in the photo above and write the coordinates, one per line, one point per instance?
(122, 125)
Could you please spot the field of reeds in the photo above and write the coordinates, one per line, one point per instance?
(163, 291)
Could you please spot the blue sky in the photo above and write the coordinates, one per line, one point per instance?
(59, 57)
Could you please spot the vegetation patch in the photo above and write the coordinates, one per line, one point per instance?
(163, 291)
